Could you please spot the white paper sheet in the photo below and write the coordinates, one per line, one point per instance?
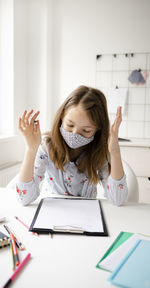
(70, 214)
(116, 97)
(114, 259)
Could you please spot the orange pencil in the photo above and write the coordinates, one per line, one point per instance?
(18, 242)
(14, 248)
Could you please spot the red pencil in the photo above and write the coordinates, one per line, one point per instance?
(25, 225)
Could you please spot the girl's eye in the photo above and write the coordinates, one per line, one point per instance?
(70, 126)
(86, 131)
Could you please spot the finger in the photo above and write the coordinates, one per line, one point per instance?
(21, 126)
(36, 126)
(118, 115)
(35, 116)
(24, 115)
(119, 109)
(23, 118)
(29, 114)
(119, 112)
(115, 125)
(27, 117)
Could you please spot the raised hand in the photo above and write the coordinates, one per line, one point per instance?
(30, 129)
(113, 144)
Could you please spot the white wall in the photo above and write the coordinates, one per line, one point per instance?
(55, 44)
(57, 41)
(11, 147)
(31, 44)
(37, 57)
(32, 39)
(91, 27)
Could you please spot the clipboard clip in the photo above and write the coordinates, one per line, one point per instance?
(68, 230)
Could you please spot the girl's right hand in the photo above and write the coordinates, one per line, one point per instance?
(30, 129)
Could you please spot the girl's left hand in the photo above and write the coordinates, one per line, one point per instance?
(113, 144)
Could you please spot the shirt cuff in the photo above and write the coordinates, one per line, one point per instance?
(121, 181)
(18, 182)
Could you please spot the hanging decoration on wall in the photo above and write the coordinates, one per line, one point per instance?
(117, 72)
(138, 77)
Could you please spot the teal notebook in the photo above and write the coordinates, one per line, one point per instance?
(134, 270)
(121, 238)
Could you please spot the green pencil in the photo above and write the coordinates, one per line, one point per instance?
(12, 255)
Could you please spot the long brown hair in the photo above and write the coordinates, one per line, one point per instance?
(96, 153)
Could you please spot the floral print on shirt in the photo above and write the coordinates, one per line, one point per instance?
(43, 156)
(21, 192)
(68, 181)
(83, 180)
(40, 177)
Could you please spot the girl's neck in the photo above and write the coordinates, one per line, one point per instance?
(75, 153)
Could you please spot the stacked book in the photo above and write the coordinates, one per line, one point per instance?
(4, 240)
(128, 260)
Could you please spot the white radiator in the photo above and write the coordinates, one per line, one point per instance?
(8, 172)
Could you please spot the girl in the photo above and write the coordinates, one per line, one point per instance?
(79, 151)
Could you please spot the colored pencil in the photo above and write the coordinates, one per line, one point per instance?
(18, 242)
(25, 225)
(18, 269)
(12, 256)
(14, 248)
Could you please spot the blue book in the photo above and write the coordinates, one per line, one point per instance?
(134, 270)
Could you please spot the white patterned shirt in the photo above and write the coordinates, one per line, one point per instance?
(68, 182)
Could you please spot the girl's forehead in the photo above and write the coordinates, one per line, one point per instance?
(74, 109)
(77, 115)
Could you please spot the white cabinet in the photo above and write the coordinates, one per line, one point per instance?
(144, 188)
(137, 155)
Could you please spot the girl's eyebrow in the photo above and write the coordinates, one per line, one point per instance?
(83, 126)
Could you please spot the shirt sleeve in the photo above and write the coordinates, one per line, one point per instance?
(28, 192)
(115, 191)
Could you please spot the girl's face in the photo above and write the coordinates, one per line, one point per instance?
(76, 120)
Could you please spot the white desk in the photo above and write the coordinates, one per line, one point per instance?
(66, 260)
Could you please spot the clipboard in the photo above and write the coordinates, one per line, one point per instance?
(79, 213)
